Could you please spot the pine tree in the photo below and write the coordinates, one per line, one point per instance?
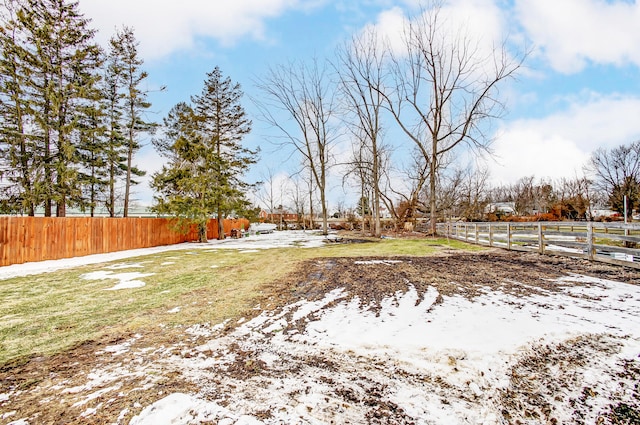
(63, 60)
(113, 95)
(206, 159)
(125, 47)
(92, 157)
(19, 166)
(223, 123)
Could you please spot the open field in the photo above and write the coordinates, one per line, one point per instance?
(396, 331)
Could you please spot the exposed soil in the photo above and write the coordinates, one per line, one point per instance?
(96, 384)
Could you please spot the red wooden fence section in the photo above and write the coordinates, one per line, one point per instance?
(25, 239)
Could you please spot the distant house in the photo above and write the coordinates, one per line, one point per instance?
(604, 213)
(500, 208)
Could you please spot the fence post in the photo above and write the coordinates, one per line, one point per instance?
(491, 234)
(477, 234)
(509, 236)
(540, 239)
(590, 245)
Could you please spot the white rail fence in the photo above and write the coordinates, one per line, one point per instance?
(613, 243)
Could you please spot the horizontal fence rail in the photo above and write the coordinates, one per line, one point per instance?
(614, 243)
(26, 239)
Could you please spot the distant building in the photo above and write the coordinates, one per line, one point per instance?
(500, 208)
(604, 213)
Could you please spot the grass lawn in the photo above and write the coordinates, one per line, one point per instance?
(49, 313)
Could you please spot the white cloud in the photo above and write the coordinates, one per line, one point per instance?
(482, 20)
(559, 145)
(163, 27)
(573, 32)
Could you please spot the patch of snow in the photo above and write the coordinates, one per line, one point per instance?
(118, 349)
(384, 262)
(174, 310)
(127, 280)
(205, 329)
(181, 408)
(95, 395)
(122, 415)
(90, 411)
(167, 263)
(129, 284)
(8, 414)
(121, 266)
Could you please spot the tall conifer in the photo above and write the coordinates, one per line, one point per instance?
(63, 60)
(206, 159)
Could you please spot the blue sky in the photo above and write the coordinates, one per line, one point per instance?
(579, 90)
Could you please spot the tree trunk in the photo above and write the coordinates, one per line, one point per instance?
(377, 232)
(323, 199)
(311, 223)
(362, 205)
(127, 188)
(432, 183)
(202, 232)
(221, 234)
(112, 191)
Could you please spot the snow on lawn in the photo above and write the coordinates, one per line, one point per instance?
(423, 358)
(125, 280)
(569, 353)
(300, 239)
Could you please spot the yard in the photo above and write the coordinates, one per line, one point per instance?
(260, 330)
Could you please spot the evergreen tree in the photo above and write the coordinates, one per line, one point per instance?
(19, 161)
(113, 95)
(62, 60)
(206, 159)
(223, 123)
(135, 104)
(92, 156)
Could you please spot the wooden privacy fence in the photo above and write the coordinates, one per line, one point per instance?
(614, 243)
(25, 239)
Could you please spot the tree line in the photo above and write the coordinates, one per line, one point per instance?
(72, 114)
(610, 176)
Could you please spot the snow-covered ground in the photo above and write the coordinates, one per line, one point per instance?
(300, 239)
(566, 354)
(429, 359)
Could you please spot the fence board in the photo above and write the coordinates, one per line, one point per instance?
(26, 239)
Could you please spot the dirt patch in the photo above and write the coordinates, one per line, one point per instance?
(110, 381)
(468, 274)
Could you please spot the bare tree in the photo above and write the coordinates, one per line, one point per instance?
(361, 72)
(446, 89)
(471, 186)
(617, 174)
(297, 196)
(359, 168)
(306, 96)
(573, 198)
(268, 193)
